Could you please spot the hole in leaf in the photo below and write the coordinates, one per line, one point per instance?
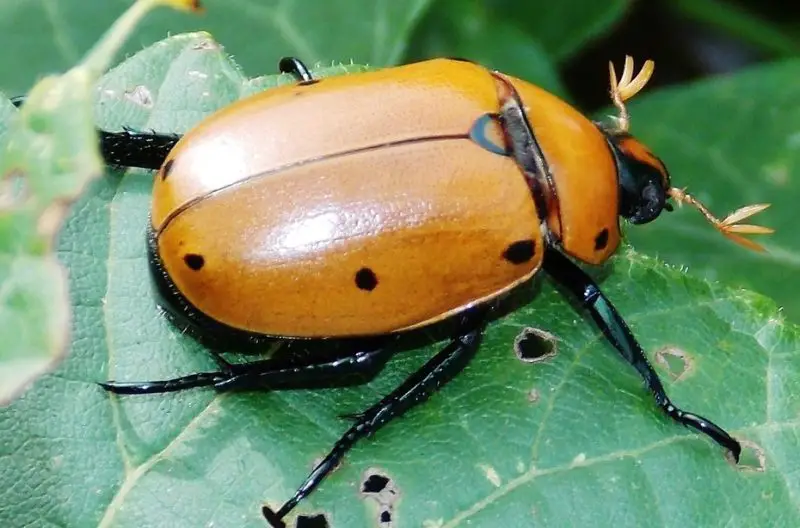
(753, 457)
(675, 361)
(312, 521)
(381, 490)
(533, 345)
(375, 484)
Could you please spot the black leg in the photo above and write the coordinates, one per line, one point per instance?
(130, 148)
(269, 373)
(570, 276)
(417, 388)
(295, 67)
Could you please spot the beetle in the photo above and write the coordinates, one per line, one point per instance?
(376, 203)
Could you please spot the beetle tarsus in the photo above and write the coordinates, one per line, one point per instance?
(570, 276)
(439, 370)
(296, 68)
(201, 379)
(705, 426)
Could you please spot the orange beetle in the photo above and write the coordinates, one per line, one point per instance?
(374, 203)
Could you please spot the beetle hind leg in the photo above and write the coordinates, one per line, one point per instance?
(268, 373)
(439, 370)
(129, 148)
(571, 277)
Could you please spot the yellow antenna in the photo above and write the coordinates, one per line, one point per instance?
(729, 226)
(627, 86)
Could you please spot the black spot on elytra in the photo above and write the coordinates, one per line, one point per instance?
(601, 240)
(366, 279)
(386, 516)
(194, 261)
(308, 82)
(166, 169)
(520, 251)
(375, 483)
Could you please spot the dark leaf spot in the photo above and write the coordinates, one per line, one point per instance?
(366, 279)
(194, 261)
(601, 240)
(166, 169)
(520, 251)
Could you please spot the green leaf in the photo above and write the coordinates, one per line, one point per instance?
(573, 440)
(563, 27)
(50, 153)
(771, 36)
(48, 36)
(520, 38)
(732, 141)
(469, 29)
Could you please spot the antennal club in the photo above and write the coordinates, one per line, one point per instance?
(627, 86)
(729, 226)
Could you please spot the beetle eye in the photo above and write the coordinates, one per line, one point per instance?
(642, 197)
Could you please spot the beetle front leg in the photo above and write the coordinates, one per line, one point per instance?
(571, 277)
(439, 370)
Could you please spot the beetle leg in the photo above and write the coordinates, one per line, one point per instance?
(130, 148)
(277, 374)
(268, 373)
(295, 67)
(439, 370)
(570, 276)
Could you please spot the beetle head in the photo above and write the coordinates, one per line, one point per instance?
(643, 180)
